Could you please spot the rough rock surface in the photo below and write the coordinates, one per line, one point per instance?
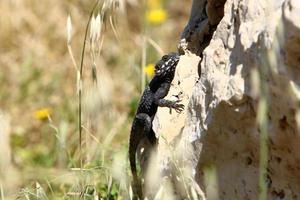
(219, 127)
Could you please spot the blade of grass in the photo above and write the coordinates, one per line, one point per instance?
(155, 46)
(1, 192)
(262, 120)
(143, 64)
(80, 78)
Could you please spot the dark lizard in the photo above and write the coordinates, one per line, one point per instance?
(152, 97)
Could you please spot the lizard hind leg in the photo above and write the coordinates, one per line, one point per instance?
(148, 131)
(152, 138)
(146, 120)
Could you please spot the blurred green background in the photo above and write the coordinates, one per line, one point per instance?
(39, 153)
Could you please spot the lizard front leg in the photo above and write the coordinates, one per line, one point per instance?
(160, 101)
(171, 104)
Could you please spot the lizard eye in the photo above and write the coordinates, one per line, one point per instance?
(165, 57)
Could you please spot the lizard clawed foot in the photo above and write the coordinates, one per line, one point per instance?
(177, 106)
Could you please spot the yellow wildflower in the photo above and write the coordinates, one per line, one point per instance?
(149, 70)
(42, 113)
(156, 16)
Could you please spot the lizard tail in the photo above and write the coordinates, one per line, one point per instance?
(137, 187)
(140, 128)
(132, 159)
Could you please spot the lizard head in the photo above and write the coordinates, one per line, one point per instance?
(167, 64)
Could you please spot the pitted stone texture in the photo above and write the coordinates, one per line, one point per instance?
(219, 127)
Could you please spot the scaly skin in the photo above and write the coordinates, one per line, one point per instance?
(152, 97)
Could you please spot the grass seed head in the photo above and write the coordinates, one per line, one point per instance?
(69, 29)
